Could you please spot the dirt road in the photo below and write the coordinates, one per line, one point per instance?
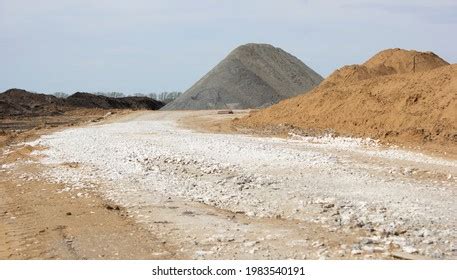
(216, 195)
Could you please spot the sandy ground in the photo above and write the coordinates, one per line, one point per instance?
(19, 129)
(38, 221)
(153, 182)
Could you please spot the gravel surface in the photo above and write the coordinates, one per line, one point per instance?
(404, 201)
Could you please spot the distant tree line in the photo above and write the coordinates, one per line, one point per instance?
(113, 94)
(60, 94)
(165, 96)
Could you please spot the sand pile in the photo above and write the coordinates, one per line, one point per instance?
(392, 100)
(251, 76)
(387, 62)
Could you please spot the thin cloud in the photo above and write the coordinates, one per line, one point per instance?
(144, 45)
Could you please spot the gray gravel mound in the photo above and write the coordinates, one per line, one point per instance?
(251, 76)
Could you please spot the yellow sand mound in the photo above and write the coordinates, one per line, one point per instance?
(385, 98)
(387, 62)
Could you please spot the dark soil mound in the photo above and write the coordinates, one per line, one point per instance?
(18, 102)
(88, 100)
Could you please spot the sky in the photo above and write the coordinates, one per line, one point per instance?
(167, 45)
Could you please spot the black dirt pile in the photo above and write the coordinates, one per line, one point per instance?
(21, 103)
(88, 100)
(251, 76)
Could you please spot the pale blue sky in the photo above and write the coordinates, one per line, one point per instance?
(150, 46)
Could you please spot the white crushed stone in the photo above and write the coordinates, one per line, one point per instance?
(343, 181)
